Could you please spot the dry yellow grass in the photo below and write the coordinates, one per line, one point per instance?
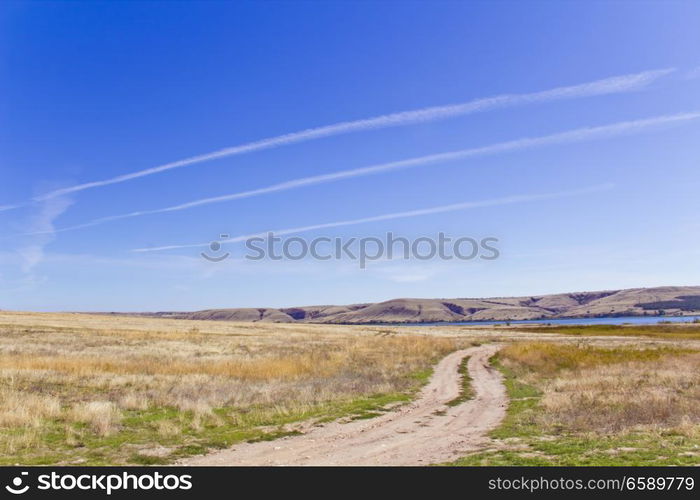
(102, 416)
(285, 368)
(109, 387)
(98, 372)
(22, 409)
(547, 358)
(599, 403)
(602, 389)
(680, 331)
(627, 396)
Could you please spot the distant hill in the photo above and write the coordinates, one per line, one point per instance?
(632, 302)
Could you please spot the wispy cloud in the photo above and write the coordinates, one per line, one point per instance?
(693, 74)
(5, 208)
(509, 200)
(42, 225)
(616, 84)
(571, 136)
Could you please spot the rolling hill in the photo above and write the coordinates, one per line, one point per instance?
(631, 302)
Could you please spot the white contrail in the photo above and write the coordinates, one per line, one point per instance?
(398, 215)
(616, 84)
(576, 135)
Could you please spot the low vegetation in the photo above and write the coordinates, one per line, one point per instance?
(688, 331)
(466, 392)
(102, 390)
(585, 405)
(80, 389)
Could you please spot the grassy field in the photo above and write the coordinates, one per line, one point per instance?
(593, 405)
(690, 331)
(100, 389)
(79, 389)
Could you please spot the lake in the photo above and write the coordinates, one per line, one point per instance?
(618, 320)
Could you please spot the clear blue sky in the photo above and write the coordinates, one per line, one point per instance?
(92, 90)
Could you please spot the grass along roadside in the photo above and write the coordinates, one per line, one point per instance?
(601, 406)
(659, 331)
(158, 392)
(466, 391)
(160, 435)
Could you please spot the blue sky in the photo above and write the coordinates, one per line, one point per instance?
(93, 91)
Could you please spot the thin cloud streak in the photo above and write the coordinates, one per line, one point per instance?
(32, 254)
(612, 85)
(509, 200)
(571, 136)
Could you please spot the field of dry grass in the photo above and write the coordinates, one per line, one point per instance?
(611, 389)
(617, 404)
(678, 331)
(101, 389)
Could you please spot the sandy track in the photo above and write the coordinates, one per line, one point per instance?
(423, 432)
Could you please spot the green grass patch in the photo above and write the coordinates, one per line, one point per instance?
(466, 392)
(633, 449)
(523, 399)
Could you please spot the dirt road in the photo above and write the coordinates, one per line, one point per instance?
(423, 432)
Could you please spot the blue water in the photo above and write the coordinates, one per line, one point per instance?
(621, 320)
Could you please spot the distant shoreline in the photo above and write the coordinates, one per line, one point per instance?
(656, 304)
(596, 320)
